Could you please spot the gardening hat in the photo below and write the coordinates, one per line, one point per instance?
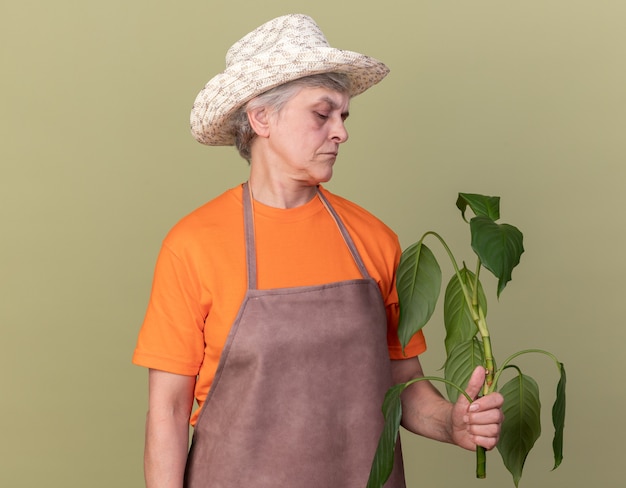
(281, 50)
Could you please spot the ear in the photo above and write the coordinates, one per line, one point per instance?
(259, 121)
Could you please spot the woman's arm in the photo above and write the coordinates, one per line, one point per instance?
(167, 428)
(427, 413)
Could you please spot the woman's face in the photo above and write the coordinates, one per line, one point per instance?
(304, 137)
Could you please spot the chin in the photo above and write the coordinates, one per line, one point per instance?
(326, 178)
(328, 175)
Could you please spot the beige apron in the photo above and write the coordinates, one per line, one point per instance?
(296, 400)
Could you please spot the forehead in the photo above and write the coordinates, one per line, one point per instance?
(324, 96)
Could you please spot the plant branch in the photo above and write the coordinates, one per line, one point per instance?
(445, 246)
(442, 380)
(457, 272)
(506, 362)
(476, 281)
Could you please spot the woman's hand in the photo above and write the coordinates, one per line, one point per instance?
(427, 413)
(479, 422)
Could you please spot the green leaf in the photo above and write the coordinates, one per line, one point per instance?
(522, 424)
(418, 281)
(481, 205)
(558, 419)
(457, 316)
(499, 247)
(382, 465)
(460, 365)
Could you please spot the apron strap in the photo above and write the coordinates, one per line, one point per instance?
(248, 217)
(248, 221)
(345, 234)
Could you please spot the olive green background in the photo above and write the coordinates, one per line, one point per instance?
(522, 99)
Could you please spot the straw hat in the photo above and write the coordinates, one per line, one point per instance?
(281, 50)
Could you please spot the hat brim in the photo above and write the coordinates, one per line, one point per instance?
(239, 83)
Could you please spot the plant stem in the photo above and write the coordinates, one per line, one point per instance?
(489, 386)
(478, 316)
(481, 462)
(481, 323)
(481, 453)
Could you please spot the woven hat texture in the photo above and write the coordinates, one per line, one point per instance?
(281, 50)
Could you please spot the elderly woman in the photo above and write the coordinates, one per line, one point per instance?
(274, 305)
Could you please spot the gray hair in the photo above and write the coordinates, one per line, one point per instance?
(275, 99)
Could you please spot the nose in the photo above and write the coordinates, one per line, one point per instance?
(339, 133)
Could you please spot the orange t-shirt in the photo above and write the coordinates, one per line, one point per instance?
(200, 278)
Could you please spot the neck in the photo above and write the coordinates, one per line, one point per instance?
(279, 195)
(275, 188)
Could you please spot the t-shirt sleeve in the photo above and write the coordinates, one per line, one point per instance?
(171, 338)
(417, 344)
(415, 347)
